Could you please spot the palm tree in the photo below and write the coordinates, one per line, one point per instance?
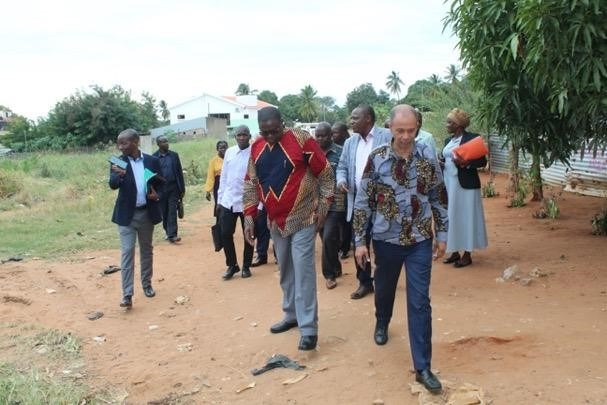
(393, 84)
(435, 80)
(453, 73)
(308, 108)
(243, 89)
(164, 110)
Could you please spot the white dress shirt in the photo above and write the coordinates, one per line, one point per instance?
(231, 182)
(138, 173)
(363, 150)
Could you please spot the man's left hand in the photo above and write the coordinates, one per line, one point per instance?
(438, 249)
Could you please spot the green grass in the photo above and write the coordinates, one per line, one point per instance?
(43, 366)
(58, 204)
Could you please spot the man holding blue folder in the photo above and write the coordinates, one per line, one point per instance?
(136, 211)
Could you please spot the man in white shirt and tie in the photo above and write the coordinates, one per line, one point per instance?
(229, 201)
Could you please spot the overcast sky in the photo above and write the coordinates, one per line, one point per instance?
(177, 50)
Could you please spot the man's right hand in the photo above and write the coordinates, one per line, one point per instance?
(362, 256)
(343, 187)
(249, 231)
(208, 196)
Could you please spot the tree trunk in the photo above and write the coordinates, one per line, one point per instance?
(515, 177)
(536, 179)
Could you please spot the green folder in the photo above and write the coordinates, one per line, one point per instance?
(147, 175)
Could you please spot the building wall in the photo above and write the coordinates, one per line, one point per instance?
(206, 105)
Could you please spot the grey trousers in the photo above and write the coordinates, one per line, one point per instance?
(142, 229)
(295, 255)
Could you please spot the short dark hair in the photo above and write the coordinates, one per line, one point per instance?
(368, 110)
(324, 125)
(268, 113)
(131, 133)
(341, 126)
(220, 143)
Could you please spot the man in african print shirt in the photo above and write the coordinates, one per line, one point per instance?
(290, 175)
(401, 192)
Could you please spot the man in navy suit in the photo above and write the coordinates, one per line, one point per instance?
(174, 187)
(136, 211)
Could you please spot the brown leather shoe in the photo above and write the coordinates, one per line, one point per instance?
(361, 291)
(331, 283)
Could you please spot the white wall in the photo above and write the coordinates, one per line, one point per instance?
(206, 104)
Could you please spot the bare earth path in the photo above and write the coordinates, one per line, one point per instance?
(542, 343)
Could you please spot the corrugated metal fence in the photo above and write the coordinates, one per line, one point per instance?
(586, 176)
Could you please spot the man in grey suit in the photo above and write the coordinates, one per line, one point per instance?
(366, 137)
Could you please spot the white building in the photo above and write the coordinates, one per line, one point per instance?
(236, 110)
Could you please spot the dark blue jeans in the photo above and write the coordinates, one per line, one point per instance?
(364, 274)
(389, 259)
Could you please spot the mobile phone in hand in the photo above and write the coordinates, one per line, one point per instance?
(118, 162)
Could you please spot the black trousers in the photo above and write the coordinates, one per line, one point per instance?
(346, 235)
(330, 235)
(168, 205)
(228, 219)
(262, 234)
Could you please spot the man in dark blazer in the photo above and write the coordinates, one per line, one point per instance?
(174, 187)
(136, 211)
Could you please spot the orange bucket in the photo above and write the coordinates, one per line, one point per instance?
(473, 149)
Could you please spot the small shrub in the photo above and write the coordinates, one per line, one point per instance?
(599, 223)
(193, 174)
(518, 200)
(9, 184)
(489, 189)
(550, 208)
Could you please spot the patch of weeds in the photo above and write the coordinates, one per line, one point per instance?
(550, 208)
(42, 366)
(58, 343)
(9, 183)
(599, 223)
(489, 189)
(521, 193)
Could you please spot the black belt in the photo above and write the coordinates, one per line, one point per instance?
(143, 207)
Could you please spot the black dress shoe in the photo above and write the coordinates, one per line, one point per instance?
(453, 258)
(283, 326)
(361, 291)
(462, 263)
(246, 272)
(231, 270)
(149, 291)
(381, 335)
(259, 260)
(126, 302)
(428, 380)
(308, 342)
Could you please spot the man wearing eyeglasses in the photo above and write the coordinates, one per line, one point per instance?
(290, 175)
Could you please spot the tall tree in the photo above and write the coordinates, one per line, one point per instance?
(363, 94)
(564, 47)
(308, 108)
(289, 108)
(268, 96)
(453, 73)
(164, 111)
(514, 104)
(393, 84)
(243, 89)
